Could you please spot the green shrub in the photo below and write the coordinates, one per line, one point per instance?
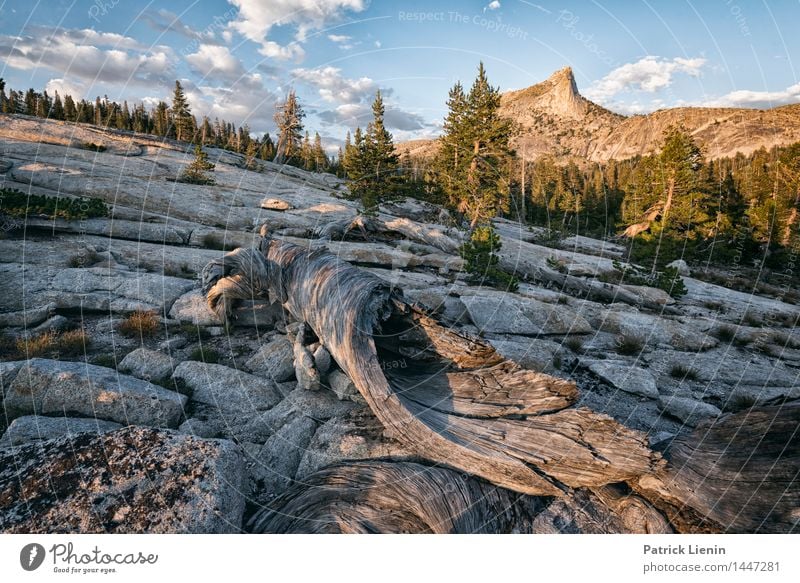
(668, 280)
(480, 255)
(206, 354)
(94, 147)
(195, 173)
(18, 204)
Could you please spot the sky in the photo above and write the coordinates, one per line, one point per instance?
(237, 58)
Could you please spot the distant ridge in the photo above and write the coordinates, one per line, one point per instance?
(553, 119)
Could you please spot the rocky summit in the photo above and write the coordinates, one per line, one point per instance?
(552, 119)
(130, 406)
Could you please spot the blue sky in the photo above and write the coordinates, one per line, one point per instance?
(237, 57)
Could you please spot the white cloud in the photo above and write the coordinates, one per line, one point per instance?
(649, 74)
(344, 41)
(761, 99)
(217, 62)
(76, 90)
(493, 5)
(378, 44)
(335, 88)
(360, 114)
(256, 18)
(76, 55)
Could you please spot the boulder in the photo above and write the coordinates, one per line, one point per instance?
(690, 411)
(322, 359)
(681, 266)
(275, 204)
(653, 330)
(44, 386)
(229, 396)
(274, 360)
(133, 480)
(273, 468)
(532, 354)
(38, 428)
(343, 387)
(504, 313)
(625, 376)
(192, 307)
(357, 436)
(88, 289)
(147, 364)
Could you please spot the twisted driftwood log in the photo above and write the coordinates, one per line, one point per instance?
(454, 401)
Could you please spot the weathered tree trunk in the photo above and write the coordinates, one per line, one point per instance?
(453, 400)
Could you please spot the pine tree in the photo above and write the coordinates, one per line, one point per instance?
(320, 158)
(250, 155)
(58, 108)
(473, 164)
(307, 153)
(161, 119)
(452, 156)
(181, 114)
(30, 102)
(196, 171)
(289, 119)
(70, 112)
(371, 163)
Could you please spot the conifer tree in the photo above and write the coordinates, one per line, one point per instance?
(182, 120)
(473, 160)
(289, 119)
(196, 171)
(371, 163)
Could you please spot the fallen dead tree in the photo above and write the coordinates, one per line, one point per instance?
(452, 399)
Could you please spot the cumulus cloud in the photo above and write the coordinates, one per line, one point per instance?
(65, 87)
(493, 5)
(360, 114)
(254, 107)
(649, 74)
(256, 18)
(78, 55)
(333, 87)
(759, 99)
(217, 62)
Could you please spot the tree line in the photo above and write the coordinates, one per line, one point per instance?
(294, 144)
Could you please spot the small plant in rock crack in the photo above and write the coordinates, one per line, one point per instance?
(682, 372)
(140, 323)
(480, 256)
(629, 344)
(205, 354)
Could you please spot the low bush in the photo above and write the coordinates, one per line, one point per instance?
(18, 204)
(140, 323)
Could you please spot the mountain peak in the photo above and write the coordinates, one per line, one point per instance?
(558, 95)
